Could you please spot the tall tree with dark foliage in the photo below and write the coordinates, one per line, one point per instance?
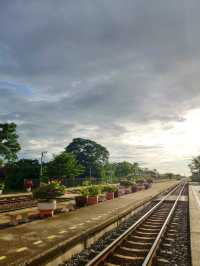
(9, 145)
(90, 154)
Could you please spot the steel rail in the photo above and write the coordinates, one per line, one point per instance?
(104, 253)
(152, 252)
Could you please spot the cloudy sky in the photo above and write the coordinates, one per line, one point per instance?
(125, 73)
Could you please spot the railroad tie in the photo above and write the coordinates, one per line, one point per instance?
(149, 229)
(166, 245)
(143, 237)
(166, 252)
(136, 250)
(138, 243)
(170, 239)
(145, 233)
(135, 258)
(162, 260)
(111, 264)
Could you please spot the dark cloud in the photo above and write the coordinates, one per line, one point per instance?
(90, 68)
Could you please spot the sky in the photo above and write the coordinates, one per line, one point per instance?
(123, 73)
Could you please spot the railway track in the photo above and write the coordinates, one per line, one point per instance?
(16, 202)
(147, 241)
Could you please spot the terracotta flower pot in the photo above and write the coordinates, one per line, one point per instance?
(46, 208)
(109, 195)
(116, 194)
(146, 185)
(128, 190)
(134, 188)
(81, 201)
(101, 198)
(140, 187)
(91, 200)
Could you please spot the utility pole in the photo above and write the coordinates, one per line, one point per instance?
(41, 162)
(90, 173)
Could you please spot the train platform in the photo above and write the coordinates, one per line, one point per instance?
(46, 240)
(194, 205)
(15, 195)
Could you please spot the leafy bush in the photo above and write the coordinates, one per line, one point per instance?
(49, 191)
(150, 180)
(17, 172)
(126, 183)
(108, 188)
(84, 191)
(87, 183)
(2, 186)
(93, 190)
(140, 181)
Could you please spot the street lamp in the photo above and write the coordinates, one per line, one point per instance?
(41, 162)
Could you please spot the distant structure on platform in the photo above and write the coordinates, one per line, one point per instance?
(152, 173)
(196, 176)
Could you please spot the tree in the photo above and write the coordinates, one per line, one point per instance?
(64, 165)
(124, 169)
(195, 164)
(90, 154)
(18, 171)
(108, 172)
(9, 145)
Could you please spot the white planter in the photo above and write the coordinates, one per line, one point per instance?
(47, 205)
(28, 189)
(1, 191)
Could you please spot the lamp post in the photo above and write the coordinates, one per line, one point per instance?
(41, 162)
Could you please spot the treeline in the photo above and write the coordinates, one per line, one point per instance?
(82, 158)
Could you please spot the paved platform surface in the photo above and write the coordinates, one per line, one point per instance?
(19, 244)
(194, 201)
(13, 195)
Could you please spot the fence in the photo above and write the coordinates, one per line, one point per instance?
(75, 182)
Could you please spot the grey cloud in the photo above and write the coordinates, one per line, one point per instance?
(93, 66)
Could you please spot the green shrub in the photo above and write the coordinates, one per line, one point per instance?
(108, 188)
(49, 191)
(150, 180)
(87, 183)
(93, 190)
(126, 183)
(2, 186)
(84, 191)
(140, 181)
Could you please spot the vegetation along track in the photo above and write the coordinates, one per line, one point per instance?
(157, 238)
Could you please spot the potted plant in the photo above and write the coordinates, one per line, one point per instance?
(134, 187)
(146, 185)
(109, 190)
(46, 195)
(125, 186)
(101, 197)
(1, 187)
(150, 180)
(140, 184)
(93, 192)
(116, 192)
(81, 200)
